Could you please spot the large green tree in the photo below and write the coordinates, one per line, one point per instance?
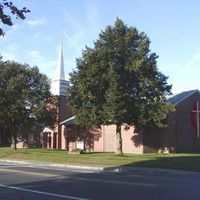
(24, 96)
(118, 82)
(9, 9)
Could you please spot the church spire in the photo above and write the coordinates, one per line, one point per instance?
(59, 84)
(60, 74)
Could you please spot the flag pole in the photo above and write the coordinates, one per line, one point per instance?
(197, 119)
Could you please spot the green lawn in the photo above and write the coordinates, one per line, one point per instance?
(189, 162)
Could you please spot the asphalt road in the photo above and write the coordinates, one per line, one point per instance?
(22, 182)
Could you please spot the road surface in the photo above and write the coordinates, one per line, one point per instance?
(30, 182)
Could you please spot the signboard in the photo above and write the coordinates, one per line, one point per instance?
(80, 145)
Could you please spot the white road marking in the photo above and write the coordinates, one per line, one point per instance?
(40, 192)
(29, 173)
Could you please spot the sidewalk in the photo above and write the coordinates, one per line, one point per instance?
(94, 168)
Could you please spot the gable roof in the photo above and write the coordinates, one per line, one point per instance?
(174, 99)
(69, 121)
(177, 98)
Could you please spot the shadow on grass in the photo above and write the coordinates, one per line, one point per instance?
(188, 162)
(171, 161)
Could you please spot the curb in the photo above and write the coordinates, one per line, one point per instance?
(44, 164)
(79, 167)
(134, 169)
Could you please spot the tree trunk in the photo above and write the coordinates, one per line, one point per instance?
(118, 140)
(14, 140)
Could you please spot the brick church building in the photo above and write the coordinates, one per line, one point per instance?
(180, 135)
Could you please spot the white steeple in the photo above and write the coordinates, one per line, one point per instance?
(59, 84)
(60, 73)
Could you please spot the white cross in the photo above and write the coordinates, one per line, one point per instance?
(197, 111)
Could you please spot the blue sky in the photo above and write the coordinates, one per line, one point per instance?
(172, 26)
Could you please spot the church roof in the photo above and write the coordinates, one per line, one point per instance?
(174, 99)
(69, 121)
(177, 98)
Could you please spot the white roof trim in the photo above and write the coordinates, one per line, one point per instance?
(67, 120)
(47, 130)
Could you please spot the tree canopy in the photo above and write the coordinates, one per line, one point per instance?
(8, 9)
(24, 94)
(118, 82)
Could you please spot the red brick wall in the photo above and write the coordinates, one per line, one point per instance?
(107, 142)
(64, 109)
(64, 112)
(132, 142)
